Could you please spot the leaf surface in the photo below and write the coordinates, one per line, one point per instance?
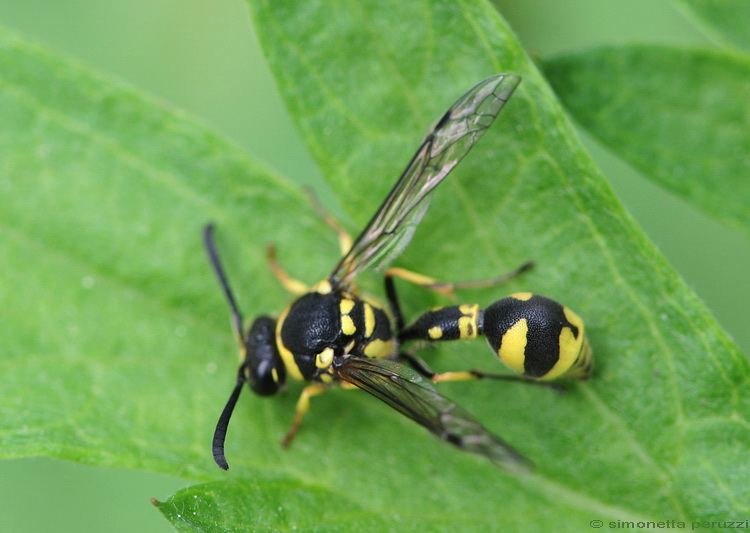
(118, 348)
(725, 20)
(680, 116)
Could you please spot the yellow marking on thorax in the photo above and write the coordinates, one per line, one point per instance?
(286, 355)
(322, 287)
(324, 358)
(369, 320)
(380, 349)
(347, 323)
(346, 306)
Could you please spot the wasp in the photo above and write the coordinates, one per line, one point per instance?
(331, 335)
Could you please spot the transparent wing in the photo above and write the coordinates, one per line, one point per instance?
(408, 393)
(460, 127)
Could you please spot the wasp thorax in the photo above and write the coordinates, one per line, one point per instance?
(308, 327)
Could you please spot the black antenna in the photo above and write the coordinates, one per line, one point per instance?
(220, 433)
(213, 256)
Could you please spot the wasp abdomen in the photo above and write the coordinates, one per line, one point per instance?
(537, 337)
(445, 324)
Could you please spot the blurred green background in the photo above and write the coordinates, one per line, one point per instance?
(203, 57)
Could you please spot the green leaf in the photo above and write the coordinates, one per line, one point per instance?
(264, 505)
(680, 116)
(118, 350)
(644, 440)
(115, 322)
(726, 20)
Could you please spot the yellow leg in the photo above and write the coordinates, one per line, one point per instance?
(345, 240)
(468, 375)
(454, 376)
(303, 406)
(446, 288)
(289, 283)
(421, 280)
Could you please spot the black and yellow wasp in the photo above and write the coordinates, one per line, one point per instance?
(331, 335)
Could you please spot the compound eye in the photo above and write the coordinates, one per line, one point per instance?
(264, 379)
(265, 369)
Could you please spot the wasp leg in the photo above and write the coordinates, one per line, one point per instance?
(303, 406)
(294, 286)
(291, 284)
(390, 291)
(447, 288)
(467, 375)
(345, 240)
